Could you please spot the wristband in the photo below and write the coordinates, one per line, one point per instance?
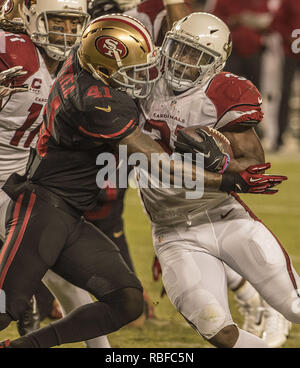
(173, 2)
(227, 160)
(228, 182)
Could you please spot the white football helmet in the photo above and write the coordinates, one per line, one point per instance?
(196, 48)
(36, 13)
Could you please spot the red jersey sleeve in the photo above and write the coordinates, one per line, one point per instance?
(18, 49)
(236, 99)
(151, 8)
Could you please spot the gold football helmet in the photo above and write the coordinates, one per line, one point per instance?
(10, 19)
(119, 50)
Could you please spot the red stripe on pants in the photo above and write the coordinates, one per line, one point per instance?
(20, 234)
(287, 258)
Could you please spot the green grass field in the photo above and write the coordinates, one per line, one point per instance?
(281, 213)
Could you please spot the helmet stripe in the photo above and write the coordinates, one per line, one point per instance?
(137, 26)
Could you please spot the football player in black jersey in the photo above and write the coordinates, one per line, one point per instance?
(108, 217)
(89, 111)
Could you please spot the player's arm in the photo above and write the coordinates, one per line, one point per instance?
(176, 9)
(7, 78)
(249, 181)
(140, 142)
(246, 147)
(238, 105)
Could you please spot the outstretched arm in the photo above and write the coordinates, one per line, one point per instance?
(140, 142)
(251, 180)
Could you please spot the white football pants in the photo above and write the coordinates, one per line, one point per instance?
(193, 257)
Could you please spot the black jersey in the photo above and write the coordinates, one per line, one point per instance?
(82, 119)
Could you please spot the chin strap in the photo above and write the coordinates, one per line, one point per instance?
(96, 75)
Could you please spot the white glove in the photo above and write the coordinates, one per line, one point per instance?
(6, 77)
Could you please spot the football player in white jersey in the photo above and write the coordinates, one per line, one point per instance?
(193, 239)
(40, 35)
(258, 316)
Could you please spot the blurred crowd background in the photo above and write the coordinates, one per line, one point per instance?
(266, 50)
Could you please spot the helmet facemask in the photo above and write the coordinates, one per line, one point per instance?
(43, 35)
(46, 23)
(187, 63)
(137, 80)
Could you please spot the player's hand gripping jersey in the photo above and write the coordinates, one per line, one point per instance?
(21, 113)
(225, 101)
(82, 117)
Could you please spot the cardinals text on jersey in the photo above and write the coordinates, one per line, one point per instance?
(225, 101)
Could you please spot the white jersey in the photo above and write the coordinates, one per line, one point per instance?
(21, 114)
(225, 101)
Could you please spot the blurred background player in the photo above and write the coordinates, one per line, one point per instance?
(48, 31)
(247, 21)
(287, 23)
(266, 31)
(96, 8)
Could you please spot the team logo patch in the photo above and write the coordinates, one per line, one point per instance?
(107, 45)
(8, 7)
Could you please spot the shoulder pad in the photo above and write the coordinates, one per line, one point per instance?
(227, 91)
(19, 50)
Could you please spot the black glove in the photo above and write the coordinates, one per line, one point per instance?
(251, 180)
(214, 159)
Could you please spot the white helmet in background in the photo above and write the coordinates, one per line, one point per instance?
(200, 43)
(35, 14)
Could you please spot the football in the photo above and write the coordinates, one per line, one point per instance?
(220, 138)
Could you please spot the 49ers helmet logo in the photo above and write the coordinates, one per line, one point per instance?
(107, 45)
